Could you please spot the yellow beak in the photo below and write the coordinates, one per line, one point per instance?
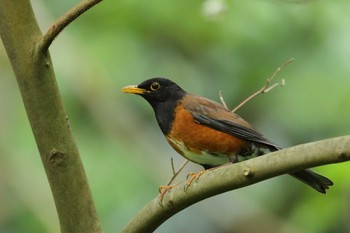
(133, 89)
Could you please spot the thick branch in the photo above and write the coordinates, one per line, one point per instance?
(64, 20)
(35, 77)
(239, 175)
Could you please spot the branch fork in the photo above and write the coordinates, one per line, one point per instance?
(63, 21)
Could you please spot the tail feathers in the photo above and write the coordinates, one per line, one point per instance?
(313, 179)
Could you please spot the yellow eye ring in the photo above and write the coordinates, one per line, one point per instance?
(155, 86)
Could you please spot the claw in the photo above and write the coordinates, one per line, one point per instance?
(193, 177)
(163, 190)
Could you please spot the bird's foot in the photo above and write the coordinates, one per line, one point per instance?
(191, 177)
(163, 189)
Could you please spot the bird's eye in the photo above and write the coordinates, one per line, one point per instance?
(155, 86)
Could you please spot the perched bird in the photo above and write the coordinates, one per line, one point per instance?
(205, 132)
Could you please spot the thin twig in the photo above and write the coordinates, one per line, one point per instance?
(280, 68)
(172, 166)
(266, 88)
(177, 172)
(64, 20)
(222, 99)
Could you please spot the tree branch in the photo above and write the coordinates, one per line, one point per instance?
(266, 88)
(239, 175)
(64, 20)
(20, 34)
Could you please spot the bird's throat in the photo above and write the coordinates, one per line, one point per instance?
(165, 114)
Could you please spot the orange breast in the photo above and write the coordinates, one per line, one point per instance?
(188, 137)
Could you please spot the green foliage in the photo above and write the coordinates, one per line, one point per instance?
(125, 156)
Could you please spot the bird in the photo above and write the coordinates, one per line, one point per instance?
(206, 132)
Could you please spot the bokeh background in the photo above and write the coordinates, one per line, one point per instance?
(205, 46)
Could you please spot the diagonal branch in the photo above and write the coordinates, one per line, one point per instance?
(239, 175)
(64, 20)
(266, 88)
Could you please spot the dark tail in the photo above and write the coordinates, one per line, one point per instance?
(313, 179)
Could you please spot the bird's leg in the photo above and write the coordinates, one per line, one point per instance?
(234, 159)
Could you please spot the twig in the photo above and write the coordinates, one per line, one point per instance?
(266, 88)
(222, 99)
(172, 166)
(177, 172)
(64, 20)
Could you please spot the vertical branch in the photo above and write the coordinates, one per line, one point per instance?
(37, 83)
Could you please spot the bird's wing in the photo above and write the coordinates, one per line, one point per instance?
(216, 116)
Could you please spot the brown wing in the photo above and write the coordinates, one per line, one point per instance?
(216, 116)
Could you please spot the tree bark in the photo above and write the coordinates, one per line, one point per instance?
(37, 83)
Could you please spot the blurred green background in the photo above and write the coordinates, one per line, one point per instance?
(204, 46)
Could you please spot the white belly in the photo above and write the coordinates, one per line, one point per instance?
(202, 158)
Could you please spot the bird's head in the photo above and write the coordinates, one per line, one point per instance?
(157, 90)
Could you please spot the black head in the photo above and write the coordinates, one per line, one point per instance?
(163, 95)
(157, 90)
